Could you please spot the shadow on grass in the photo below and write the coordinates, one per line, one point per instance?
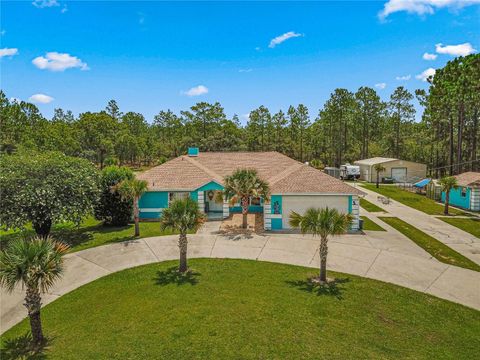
(21, 348)
(173, 276)
(333, 288)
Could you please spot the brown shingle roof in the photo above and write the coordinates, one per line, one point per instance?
(469, 178)
(284, 174)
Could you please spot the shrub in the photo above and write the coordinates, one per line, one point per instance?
(112, 209)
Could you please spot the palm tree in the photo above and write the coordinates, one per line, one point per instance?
(243, 184)
(182, 215)
(378, 168)
(321, 222)
(132, 190)
(36, 264)
(448, 183)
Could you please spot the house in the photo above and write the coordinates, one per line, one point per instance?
(199, 175)
(398, 170)
(467, 195)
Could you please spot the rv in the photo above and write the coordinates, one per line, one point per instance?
(349, 172)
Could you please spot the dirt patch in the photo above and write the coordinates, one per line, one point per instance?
(233, 224)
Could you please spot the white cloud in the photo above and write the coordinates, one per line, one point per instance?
(428, 56)
(41, 98)
(455, 50)
(55, 61)
(426, 74)
(245, 70)
(381, 86)
(245, 117)
(8, 52)
(45, 3)
(3, 32)
(64, 9)
(196, 91)
(280, 39)
(15, 100)
(422, 7)
(404, 78)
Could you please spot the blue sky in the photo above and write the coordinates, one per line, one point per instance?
(151, 56)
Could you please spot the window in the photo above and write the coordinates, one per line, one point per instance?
(464, 192)
(177, 195)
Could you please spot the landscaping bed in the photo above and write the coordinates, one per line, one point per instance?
(238, 309)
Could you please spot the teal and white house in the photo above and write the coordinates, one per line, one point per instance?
(467, 195)
(293, 186)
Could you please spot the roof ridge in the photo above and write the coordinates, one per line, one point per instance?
(283, 174)
(213, 174)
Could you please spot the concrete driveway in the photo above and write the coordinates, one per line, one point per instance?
(386, 256)
(463, 242)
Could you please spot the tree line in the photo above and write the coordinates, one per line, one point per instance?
(350, 126)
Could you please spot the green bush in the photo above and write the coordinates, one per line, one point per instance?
(111, 208)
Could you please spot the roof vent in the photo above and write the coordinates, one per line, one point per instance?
(193, 151)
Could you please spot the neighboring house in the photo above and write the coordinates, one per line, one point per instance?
(467, 195)
(398, 170)
(294, 186)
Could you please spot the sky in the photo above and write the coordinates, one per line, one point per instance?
(152, 56)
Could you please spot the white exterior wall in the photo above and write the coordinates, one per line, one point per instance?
(226, 208)
(355, 213)
(300, 203)
(267, 212)
(475, 199)
(201, 201)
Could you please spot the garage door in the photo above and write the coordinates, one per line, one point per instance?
(399, 174)
(300, 203)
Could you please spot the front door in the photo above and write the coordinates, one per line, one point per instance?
(212, 203)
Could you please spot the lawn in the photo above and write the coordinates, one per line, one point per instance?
(416, 201)
(370, 225)
(370, 207)
(240, 309)
(437, 249)
(471, 226)
(91, 233)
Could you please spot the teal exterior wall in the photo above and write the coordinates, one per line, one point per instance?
(350, 204)
(251, 209)
(276, 224)
(212, 185)
(193, 151)
(152, 199)
(456, 198)
(276, 199)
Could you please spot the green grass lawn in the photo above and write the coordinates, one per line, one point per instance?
(437, 249)
(240, 309)
(471, 226)
(370, 207)
(370, 225)
(90, 233)
(416, 201)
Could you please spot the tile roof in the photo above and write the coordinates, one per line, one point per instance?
(469, 178)
(284, 174)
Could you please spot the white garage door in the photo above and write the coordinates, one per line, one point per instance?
(399, 174)
(300, 203)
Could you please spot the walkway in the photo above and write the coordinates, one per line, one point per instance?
(465, 243)
(386, 256)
